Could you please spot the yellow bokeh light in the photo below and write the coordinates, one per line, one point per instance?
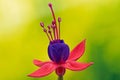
(14, 14)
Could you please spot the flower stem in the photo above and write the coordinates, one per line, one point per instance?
(60, 77)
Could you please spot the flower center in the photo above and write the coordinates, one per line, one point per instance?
(53, 30)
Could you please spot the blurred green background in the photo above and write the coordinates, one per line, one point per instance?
(22, 39)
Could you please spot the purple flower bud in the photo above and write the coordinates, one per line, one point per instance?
(58, 51)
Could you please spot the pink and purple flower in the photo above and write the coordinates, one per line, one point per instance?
(59, 53)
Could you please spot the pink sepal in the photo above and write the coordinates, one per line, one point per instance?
(78, 51)
(44, 70)
(39, 63)
(76, 66)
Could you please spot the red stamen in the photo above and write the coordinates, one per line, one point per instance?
(50, 5)
(53, 27)
(56, 29)
(49, 31)
(47, 34)
(59, 20)
(50, 35)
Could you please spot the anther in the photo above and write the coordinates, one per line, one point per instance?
(49, 31)
(44, 30)
(59, 19)
(53, 26)
(48, 27)
(53, 22)
(50, 5)
(41, 24)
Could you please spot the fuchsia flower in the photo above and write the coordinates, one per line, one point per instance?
(59, 53)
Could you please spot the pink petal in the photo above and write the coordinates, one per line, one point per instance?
(44, 70)
(78, 51)
(76, 66)
(39, 63)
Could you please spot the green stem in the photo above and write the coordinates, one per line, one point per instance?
(60, 77)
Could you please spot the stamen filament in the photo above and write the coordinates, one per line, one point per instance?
(53, 27)
(56, 32)
(59, 20)
(50, 5)
(47, 34)
(56, 28)
(49, 31)
(59, 30)
(51, 36)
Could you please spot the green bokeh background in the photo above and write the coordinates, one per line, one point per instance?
(22, 39)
